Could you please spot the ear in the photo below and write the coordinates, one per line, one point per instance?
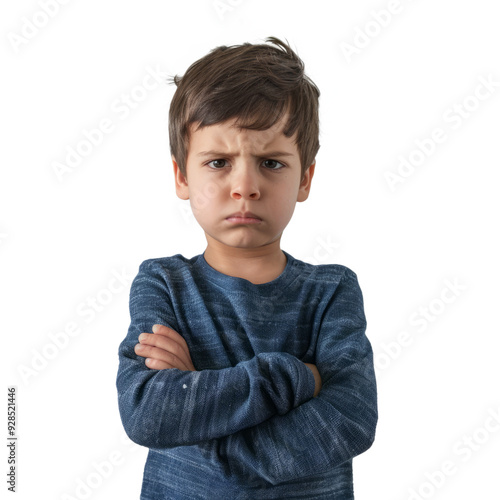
(181, 185)
(305, 183)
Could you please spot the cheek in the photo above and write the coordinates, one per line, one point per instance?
(283, 208)
(204, 196)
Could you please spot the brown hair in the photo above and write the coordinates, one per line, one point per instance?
(257, 84)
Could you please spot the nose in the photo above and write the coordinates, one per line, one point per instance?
(245, 183)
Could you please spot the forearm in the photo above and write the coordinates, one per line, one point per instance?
(313, 438)
(168, 408)
(171, 407)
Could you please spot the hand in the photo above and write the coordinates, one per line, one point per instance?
(317, 378)
(164, 349)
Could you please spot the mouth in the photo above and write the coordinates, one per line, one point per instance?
(244, 218)
(244, 215)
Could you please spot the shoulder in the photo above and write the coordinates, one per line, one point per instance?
(328, 282)
(335, 272)
(330, 287)
(174, 267)
(328, 274)
(172, 262)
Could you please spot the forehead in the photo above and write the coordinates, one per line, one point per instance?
(226, 136)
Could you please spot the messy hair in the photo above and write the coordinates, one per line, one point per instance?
(256, 84)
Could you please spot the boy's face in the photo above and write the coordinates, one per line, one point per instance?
(230, 171)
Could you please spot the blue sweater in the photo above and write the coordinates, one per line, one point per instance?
(245, 424)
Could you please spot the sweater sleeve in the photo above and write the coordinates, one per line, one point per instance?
(169, 408)
(329, 429)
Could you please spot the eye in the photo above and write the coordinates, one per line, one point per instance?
(273, 161)
(215, 167)
(269, 164)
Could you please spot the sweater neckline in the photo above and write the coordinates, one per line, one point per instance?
(233, 282)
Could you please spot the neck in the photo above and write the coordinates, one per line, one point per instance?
(257, 265)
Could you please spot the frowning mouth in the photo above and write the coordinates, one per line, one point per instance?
(245, 215)
(244, 218)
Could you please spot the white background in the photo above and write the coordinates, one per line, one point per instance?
(433, 237)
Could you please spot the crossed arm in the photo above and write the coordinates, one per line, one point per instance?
(165, 349)
(258, 418)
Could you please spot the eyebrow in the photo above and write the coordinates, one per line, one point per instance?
(222, 154)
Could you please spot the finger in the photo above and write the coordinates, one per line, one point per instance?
(157, 364)
(148, 351)
(170, 333)
(167, 344)
(163, 341)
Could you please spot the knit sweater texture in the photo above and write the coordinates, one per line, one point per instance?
(245, 424)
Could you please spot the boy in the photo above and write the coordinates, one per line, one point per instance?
(246, 372)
